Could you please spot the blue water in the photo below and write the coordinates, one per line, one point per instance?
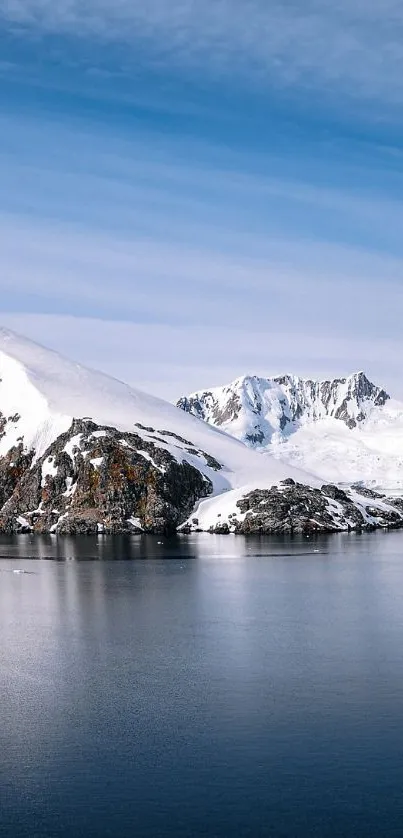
(205, 686)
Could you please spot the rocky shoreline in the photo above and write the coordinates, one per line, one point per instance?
(294, 508)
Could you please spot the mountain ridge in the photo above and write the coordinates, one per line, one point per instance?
(282, 402)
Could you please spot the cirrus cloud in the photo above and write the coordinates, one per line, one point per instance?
(354, 47)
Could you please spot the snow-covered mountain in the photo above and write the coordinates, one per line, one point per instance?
(41, 393)
(256, 410)
(81, 452)
(346, 430)
(66, 430)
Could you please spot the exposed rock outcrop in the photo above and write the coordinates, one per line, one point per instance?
(294, 507)
(98, 479)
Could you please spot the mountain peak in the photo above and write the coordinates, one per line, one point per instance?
(258, 410)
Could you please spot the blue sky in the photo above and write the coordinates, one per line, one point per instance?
(196, 189)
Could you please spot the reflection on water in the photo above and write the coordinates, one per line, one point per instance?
(223, 687)
(126, 548)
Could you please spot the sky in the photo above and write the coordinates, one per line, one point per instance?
(194, 190)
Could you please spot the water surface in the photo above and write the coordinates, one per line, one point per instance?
(202, 686)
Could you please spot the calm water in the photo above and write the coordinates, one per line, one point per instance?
(206, 686)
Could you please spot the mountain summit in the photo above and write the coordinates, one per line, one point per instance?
(261, 410)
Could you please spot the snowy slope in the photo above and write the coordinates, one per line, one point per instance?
(371, 453)
(42, 392)
(345, 431)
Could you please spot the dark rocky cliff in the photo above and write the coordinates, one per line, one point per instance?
(98, 479)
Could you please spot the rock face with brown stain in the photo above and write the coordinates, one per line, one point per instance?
(13, 466)
(98, 479)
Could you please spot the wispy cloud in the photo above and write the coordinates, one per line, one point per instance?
(193, 191)
(356, 47)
